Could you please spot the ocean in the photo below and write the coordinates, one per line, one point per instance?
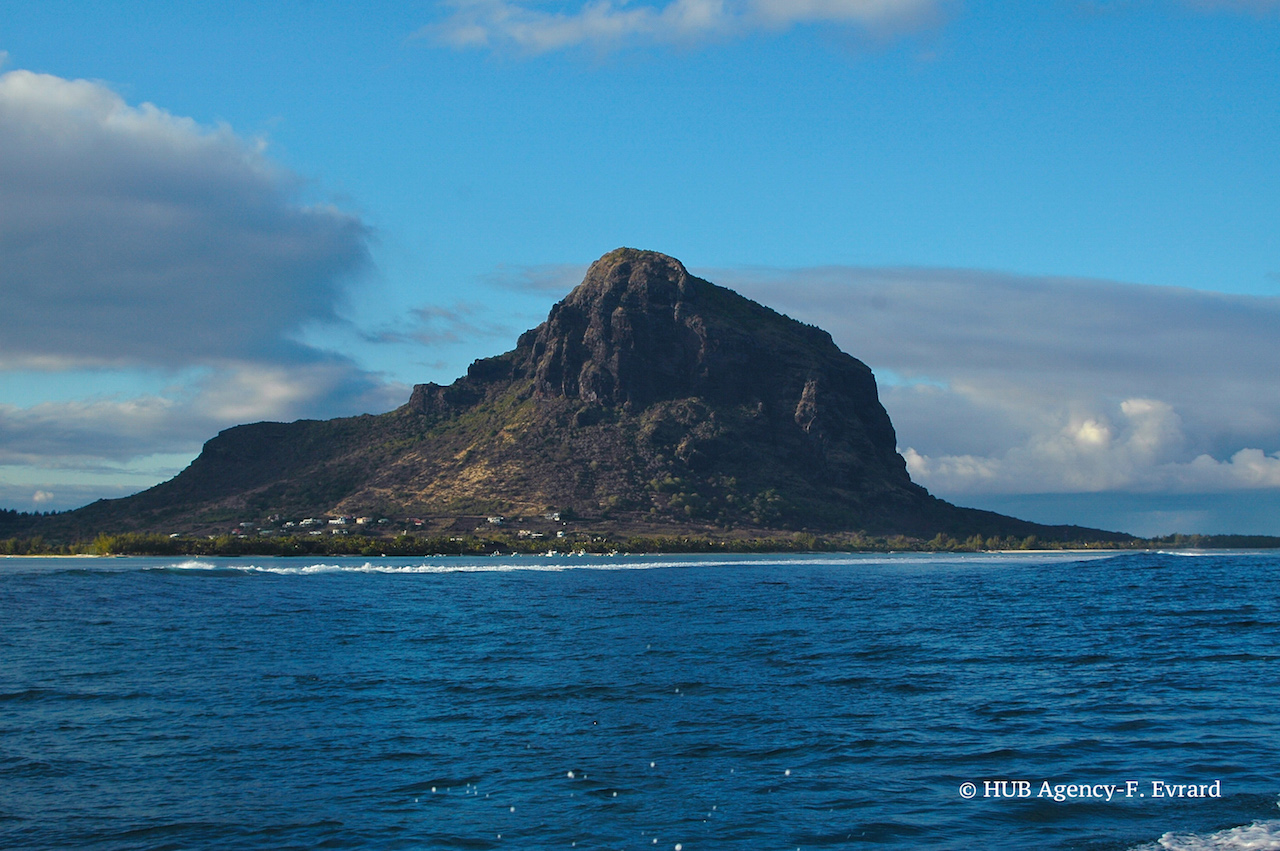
(1092, 701)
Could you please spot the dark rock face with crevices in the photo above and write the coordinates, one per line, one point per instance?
(640, 331)
(648, 397)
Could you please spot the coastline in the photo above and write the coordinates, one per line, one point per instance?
(132, 545)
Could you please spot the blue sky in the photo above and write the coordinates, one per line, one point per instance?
(1049, 228)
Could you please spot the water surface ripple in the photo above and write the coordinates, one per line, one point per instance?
(638, 702)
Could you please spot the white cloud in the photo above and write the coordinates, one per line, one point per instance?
(86, 449)
(609, 24)
(1001, 383)
(110, 431)
(534, 27)
(137, 242)
(130, 236)
(1136, 454)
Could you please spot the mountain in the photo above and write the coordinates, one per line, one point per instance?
(649, 399)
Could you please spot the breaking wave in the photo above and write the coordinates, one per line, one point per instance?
(1259, 836)
(291, 566)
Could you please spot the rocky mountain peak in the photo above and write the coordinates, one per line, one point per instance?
(641, 330)
(633, 279)
(624, 335)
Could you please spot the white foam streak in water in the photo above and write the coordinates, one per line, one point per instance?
(564, 561)
(1214, 553)
(193, 565)
(1259, 836)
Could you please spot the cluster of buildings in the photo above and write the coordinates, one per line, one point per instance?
(343, 525)
(312, 525)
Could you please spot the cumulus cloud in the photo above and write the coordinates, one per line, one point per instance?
(130, 236)
(1002, 383)
(527, 27)
(1095, 455)
(139, 242)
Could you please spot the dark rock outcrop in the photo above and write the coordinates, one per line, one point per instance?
(764, 394)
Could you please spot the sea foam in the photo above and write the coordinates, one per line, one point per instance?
(293, 566)
(1259, 836)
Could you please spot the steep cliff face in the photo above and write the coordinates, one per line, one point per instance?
(641, 329)
(631, 333)
(732, 408)
(649, 396)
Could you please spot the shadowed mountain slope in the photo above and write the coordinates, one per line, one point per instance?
(648, 396)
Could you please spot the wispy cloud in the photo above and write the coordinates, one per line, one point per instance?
(1014, 384)
(436, 325)
(534, 27)
(546, 278)
(531, 28)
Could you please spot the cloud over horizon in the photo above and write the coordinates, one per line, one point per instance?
(134, 241)
(1001, 383)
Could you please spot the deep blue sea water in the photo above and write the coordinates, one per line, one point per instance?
(640, 702)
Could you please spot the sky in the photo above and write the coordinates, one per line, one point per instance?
(1050, 228)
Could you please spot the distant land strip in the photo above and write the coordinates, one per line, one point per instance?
(142, 544)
